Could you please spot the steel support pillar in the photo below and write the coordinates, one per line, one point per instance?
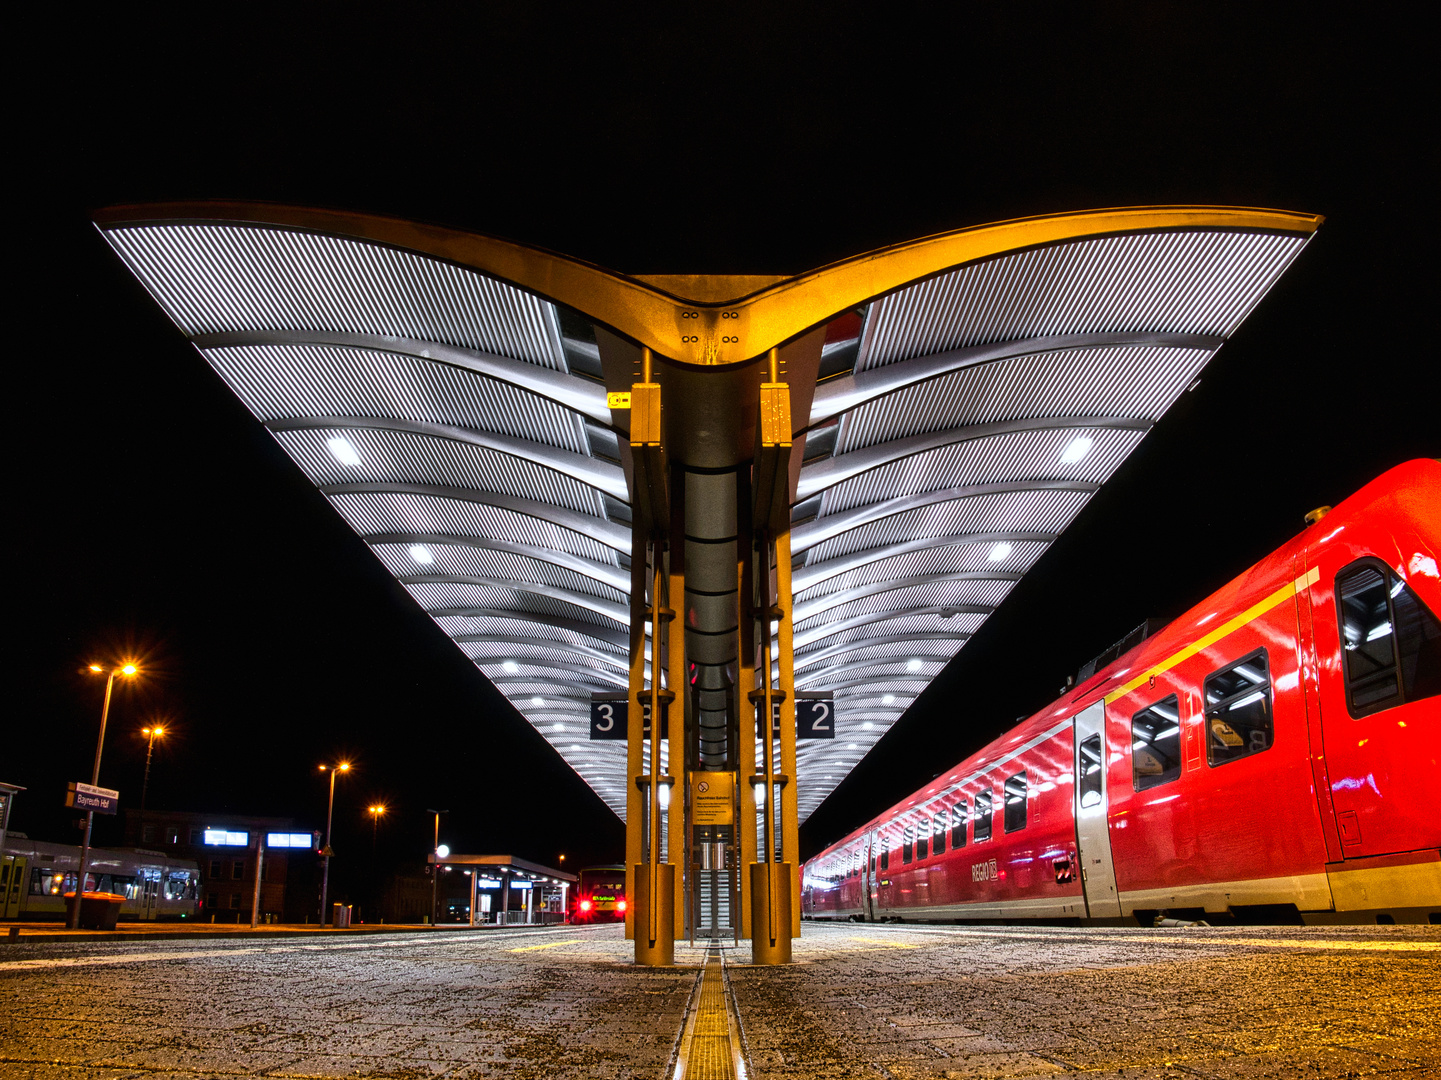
(774, 893)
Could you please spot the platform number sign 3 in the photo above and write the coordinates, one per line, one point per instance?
(610, 720)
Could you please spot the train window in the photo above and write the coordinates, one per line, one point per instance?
(1238, 709)
(908, 844)
(1090, 766)
(938, 833)
(958, 823)
(923, 836)
(885, 853)
(1015, 809)
(1155, 745)
(982, 829)
(1391, 642)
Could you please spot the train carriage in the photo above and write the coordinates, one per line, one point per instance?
(1274, 752)
(35, 876)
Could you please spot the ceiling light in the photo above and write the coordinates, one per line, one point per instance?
(867, 726)
(537, 701)
(889, 699)
(510, 667)
(998, 551)
(558, 727)
(1076, 449)
(913, 664)
(421, 554)
(343, 451)
(851, 746)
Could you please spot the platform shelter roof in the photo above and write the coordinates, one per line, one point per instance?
(458, 422)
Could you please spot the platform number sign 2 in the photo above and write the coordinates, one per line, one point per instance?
(815, 718)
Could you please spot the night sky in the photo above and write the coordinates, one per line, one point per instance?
(152, 516)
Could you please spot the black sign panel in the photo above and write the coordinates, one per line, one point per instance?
(815, 717)
(610, 717)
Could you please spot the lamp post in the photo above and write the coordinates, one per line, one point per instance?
(325, 852)
(374, 812)
(151, 733)
(435, 874)
(127, 670)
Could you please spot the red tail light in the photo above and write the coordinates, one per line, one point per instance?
(585, 905)
(620, 905)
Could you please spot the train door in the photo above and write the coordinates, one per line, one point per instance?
(1093, 839)
(868, 877)
(12, 881)
(1376, 649)
(149, 893)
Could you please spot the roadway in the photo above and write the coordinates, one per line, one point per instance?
(862, 1001)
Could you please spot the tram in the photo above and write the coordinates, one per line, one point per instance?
(35, 876)
(1274, 754)
(599, 895)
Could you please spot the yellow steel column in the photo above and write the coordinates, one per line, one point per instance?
(746, 740)
(635, 726)
(790, 828)
(677, 743)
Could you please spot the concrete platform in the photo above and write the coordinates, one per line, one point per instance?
(862, 1001)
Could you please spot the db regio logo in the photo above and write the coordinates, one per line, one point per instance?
(985, 871)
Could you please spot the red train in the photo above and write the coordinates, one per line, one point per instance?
(1271, 755)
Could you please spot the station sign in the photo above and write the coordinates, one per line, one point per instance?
(815, 716)
(292, 840)
(487, 883)
(610, 715)
(712, 798)
(226, 838)
(101, 800)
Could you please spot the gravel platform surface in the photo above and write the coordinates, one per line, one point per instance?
(1012, 1002)
(861, 1001)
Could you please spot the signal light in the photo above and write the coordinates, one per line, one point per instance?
(585, 905)
(620, 905)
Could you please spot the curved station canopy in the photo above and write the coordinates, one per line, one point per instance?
(956, 401)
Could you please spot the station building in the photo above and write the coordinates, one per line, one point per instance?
(227, 870)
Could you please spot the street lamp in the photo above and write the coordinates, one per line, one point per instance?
(325, 852)
(151, 733)
(128, 670)
(435, 874)
(374, 812)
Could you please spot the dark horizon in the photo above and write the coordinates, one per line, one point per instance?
(159, 520)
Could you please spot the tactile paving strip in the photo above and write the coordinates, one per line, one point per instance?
(708, 1054)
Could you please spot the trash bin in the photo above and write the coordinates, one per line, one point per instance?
(340, 915)
(98, 910)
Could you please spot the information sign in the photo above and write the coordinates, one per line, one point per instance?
(815, 717)
(610, 715)
(102, 800)
(712, 798)
(291, 840)
(227, 838)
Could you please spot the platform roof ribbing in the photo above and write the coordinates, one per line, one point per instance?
(454, 413)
